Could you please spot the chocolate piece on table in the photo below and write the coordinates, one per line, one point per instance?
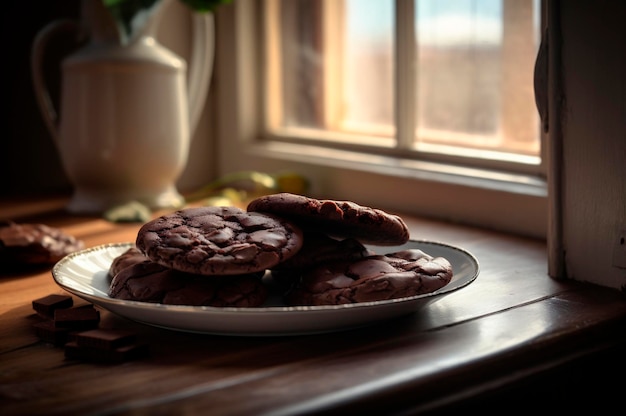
(48, 332)
(48, 304)
(82, 317)
(104, 339)
(105, 345)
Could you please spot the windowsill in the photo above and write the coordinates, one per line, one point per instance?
(404, 168)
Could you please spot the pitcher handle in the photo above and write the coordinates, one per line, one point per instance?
(42, 94)
(200, 65)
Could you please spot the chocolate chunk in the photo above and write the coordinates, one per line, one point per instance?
(48, 332)
(46, 306)
(79, 318)
(107, 339)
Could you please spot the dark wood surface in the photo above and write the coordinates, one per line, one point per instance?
(512, 332)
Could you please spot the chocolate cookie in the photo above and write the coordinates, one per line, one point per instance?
(344, 219)
(317, 249)
(152, 282)
(380, 277)
(219, 240)
(35, 244)
(131, 256)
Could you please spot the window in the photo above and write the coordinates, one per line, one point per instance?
(429, 77)
(423, 106)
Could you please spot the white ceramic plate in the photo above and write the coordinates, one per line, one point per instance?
(85, 274)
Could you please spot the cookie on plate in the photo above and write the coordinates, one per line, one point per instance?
(131, 256)
(317, 249)
(151, 282)
(343, 219)
(35, 244)
(374, 278)
(219, 240)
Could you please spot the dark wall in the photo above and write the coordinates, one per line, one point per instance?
(29, 161)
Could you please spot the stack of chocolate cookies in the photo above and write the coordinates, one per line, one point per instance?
(314, 250)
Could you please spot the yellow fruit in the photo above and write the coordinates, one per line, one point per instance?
(292, 182)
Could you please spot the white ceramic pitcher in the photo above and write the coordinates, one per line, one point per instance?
(126, 110)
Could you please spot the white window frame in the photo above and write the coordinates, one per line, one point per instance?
(486, 197)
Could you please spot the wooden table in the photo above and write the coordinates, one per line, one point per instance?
(512, 337)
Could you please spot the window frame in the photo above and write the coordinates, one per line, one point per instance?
(487, 196)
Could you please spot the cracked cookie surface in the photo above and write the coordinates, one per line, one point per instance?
(374, 278)
(151, 282)
(317, 249)
(343, 219)
(219, 240)
(131, 256)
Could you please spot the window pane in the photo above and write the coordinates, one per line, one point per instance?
(474, 82)
(337, 65)
(301, 63)
(368, 73)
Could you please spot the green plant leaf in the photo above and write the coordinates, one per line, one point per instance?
(205, 5)
(124, 11)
